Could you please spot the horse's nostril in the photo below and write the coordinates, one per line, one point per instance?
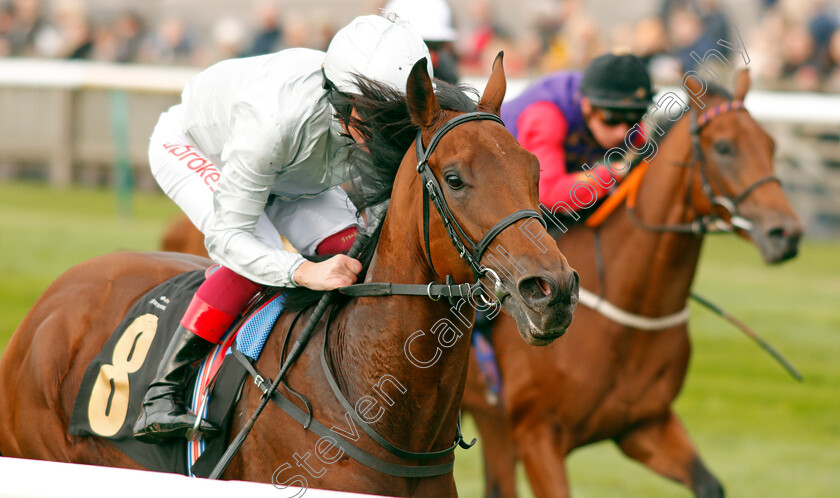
(776, 233)
(544, 287)
(573, 285)
(536, 290)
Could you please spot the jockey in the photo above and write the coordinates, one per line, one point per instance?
(570, 120)
(255, 150)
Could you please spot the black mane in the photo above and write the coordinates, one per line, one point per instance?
(388, 133)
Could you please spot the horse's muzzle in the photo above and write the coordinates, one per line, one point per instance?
(778, 242)
(547, 304)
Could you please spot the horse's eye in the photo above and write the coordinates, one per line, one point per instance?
(724, 147)
(454, 182)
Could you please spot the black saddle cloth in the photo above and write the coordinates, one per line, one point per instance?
(112, 389)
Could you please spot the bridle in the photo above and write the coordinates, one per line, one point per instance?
(703, 224)
(711, 223)
(470, 251)
(467, 249)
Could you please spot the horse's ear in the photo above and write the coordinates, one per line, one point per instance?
(423, 105)
(494, 93)
(742, 84)
(694, 87)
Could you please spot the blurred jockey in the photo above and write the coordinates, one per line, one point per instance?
(256, 149)
(433, 21)
(569, 120)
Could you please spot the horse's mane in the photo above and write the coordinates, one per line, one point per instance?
(385, 125)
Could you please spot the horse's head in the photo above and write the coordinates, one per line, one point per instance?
(486, 184)
(736, 157)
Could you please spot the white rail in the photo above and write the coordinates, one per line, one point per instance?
(38, 479)
(83, 118)
(789, 107)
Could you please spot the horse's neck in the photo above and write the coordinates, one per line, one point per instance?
(650, 272)
(370, 345)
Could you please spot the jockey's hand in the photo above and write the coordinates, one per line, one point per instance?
(338, 271)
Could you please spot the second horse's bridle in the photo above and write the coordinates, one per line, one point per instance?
(711, 223)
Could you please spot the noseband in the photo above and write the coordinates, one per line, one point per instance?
(470, 251)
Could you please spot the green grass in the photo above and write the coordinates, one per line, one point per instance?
(43, 232)
(763, 434)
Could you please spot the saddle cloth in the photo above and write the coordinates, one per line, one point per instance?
(112, 389)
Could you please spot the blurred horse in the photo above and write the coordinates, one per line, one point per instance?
(182, 236)
(475, 160)
(610, 378)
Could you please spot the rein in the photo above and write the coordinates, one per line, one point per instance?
(461, 241)
(632, 320)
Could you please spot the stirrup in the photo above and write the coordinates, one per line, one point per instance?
(193, 434)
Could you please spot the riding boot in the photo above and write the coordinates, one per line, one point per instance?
(164, 414)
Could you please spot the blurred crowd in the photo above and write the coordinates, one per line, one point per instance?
(793, 45)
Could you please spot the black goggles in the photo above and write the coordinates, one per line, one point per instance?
(613, 117)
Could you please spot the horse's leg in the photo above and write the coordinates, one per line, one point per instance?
(544, 459)
(664, 447)
(499, 453)
(497, 445)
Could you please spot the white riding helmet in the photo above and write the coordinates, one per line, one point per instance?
(431, 18)
(381, 49)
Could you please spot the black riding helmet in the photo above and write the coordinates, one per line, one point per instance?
(619, 84)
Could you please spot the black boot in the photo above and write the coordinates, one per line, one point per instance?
(164, 414)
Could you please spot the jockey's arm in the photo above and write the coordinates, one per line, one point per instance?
(543, 130)
(258, 145)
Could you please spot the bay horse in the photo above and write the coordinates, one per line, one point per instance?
(483, 176)
(611, 381)
(182, 236)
